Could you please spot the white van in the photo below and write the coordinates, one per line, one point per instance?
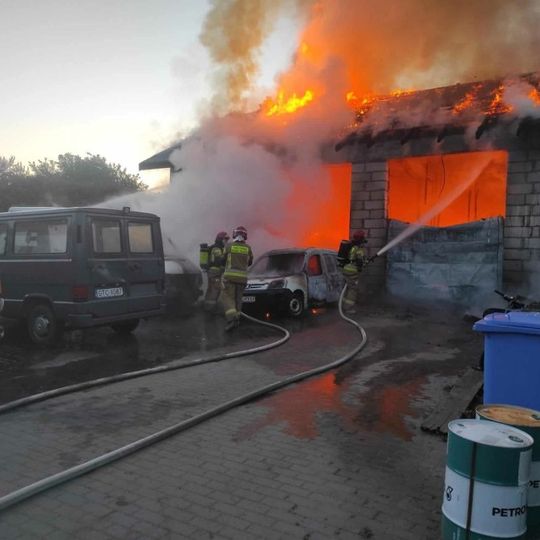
(292, 280)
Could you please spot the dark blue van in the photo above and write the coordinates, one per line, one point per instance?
(80, 267)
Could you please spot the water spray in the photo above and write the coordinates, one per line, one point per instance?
(474, 174)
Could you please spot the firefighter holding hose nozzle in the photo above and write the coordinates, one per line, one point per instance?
(238, 257)
(352, 258)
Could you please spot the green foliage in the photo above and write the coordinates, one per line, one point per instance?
(69, 181)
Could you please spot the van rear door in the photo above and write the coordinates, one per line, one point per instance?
(107, 263)
(146, 267)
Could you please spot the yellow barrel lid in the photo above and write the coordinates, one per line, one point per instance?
(510, 414)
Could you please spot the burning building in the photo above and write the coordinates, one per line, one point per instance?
(336, 149)
(462, 161)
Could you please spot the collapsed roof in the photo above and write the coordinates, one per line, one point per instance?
(449, 110)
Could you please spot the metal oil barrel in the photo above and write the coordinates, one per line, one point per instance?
(486, 481)
(527, 420)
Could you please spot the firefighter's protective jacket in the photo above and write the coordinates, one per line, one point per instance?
(216, 261)
(238, 257)
(357, 258)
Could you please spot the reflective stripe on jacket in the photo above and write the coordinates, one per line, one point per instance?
(238, 257)
(357, 258)
(216, 260)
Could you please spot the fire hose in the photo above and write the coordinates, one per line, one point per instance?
(49, 482)
(174, 365)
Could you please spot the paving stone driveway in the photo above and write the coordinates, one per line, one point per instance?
(339, 456)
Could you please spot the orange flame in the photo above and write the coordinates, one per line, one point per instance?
(283, 106)
(534, 96)
(400, 92)
(465, 103)
(360, 104)
(497, 105)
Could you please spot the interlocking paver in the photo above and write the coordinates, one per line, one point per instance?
(250, 473)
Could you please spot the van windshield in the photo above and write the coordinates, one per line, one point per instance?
(278, 264)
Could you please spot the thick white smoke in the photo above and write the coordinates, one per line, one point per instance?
(523, 98)
(237, 172)
(246, 169)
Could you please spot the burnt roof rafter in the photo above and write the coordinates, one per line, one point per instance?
(478, 107)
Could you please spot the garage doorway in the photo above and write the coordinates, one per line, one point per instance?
(458, 255)
(417, 184)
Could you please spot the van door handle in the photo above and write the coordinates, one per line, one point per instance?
(134, 266)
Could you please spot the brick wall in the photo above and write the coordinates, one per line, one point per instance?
(368, 212)
(521, 267)
(522, 224)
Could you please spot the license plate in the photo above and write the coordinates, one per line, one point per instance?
(248, 299)
(111, 292)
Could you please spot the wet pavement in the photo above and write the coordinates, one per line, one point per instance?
(337, 456)
(100, 352)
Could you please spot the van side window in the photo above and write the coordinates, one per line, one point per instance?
(330, 264)
(314, 266)
(140, 237)
(3, 238)
(44, 237)
(106, 236)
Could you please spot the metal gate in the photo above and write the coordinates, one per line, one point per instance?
(455, 263)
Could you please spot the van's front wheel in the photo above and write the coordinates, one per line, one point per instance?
(125, 327)
(42, 325)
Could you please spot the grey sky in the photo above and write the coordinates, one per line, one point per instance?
(114, 77)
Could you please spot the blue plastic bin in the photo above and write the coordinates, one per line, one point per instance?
(511, 358)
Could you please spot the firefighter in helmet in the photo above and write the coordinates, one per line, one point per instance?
(238, 257)
(216, 265)
(356, 260)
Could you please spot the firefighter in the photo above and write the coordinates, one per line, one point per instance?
(238, 257)
(216, 265)
(356, 260)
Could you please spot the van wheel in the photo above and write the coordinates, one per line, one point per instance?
(125, 327)
(296, 305)
(42, 325)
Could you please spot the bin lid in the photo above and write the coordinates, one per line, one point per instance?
(490, 433)
(513, 322)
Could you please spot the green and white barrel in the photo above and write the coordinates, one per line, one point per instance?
(527, 420)
(486, 481)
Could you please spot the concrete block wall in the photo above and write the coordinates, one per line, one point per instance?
(522, 224)
(521, 260)
(369, 196)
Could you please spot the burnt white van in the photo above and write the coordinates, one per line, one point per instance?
(80, 267)
(292, 280)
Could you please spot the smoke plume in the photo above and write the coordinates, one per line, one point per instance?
(265, 172)
(382, 45)
(419, 44)
(233, 33)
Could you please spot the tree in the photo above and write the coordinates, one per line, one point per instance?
(71, 180)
